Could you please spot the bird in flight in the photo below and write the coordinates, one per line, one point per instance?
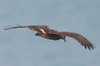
(45, 32)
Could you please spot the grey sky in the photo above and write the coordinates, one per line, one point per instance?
(21, 48)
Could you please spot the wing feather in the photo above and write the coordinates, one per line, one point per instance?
(82, 40)
(32, 27)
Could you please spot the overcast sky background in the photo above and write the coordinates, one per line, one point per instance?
(20, 47)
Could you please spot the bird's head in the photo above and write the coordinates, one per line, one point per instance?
(38, 34)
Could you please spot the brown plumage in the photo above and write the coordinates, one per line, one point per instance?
(45, 32)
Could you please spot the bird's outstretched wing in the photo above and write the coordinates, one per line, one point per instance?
(32, 27)
(82, 40)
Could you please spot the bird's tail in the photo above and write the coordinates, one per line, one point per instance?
(18, 26)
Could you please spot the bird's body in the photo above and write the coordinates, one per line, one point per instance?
(51, 36)
(44, 32)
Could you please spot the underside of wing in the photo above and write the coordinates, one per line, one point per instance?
(32, 27)
(82, 40)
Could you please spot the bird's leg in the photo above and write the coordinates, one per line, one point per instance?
(64, 39)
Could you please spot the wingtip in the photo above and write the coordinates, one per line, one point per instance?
(90, 47)
(18, 26)
(6, 28)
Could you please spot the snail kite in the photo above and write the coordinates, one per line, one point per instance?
(45, 32)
